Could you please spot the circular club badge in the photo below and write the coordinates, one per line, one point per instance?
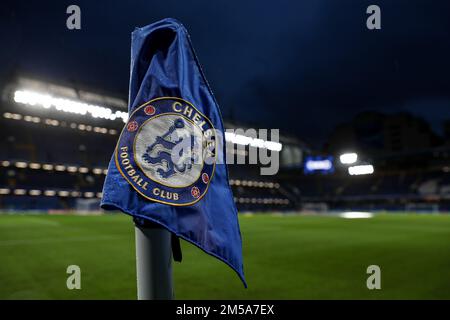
(166, 151)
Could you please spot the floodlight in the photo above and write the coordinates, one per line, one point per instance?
(348, 158)
(362, 169)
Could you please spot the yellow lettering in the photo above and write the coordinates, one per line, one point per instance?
(201, 124)
(175, 105)
(187, 111)
(164, 194)
(196, 118)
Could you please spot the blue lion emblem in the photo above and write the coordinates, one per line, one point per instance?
(165, 155)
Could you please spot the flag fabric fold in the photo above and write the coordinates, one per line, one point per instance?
(170, 102)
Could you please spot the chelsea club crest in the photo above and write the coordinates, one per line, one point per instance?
(166, 151)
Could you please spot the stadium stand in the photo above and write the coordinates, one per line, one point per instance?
(53, 160)
(57, 160)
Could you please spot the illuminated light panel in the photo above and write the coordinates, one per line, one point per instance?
(254, 142)
(257, 184)
(356, 215)
(21, 164)
(63, 193)
(47, 167)
(83, 169)
(55, 123)
(49, 193)
(360, 170)
(262, 200)
(46, 101)
(31, 119)
(319, 165)
(35, 165)
(20, 192)
(35, 192)
(348, 158)
(51, 122)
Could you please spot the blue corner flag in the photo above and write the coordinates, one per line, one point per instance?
(150, 177)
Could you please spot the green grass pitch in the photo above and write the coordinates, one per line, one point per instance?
(290, 257)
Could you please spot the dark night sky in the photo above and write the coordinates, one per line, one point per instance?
(301, 66)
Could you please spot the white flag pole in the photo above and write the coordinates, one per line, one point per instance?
(153, 262)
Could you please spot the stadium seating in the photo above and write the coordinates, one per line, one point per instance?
(52, 163)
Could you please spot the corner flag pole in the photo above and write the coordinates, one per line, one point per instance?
(153, 262)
